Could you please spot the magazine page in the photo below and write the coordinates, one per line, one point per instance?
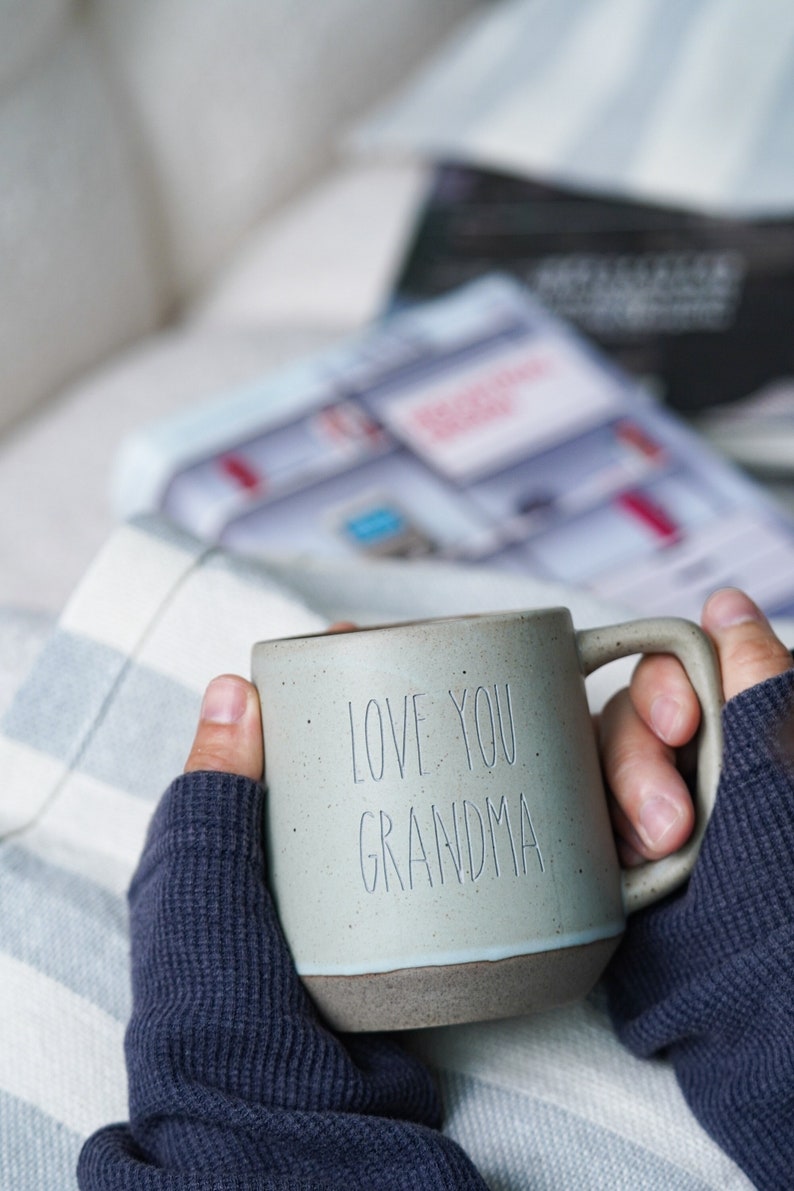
(476, 427)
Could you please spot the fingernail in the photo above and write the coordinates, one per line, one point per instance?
(729, 607)
(657, 816)
(665, 711)
(224, 702)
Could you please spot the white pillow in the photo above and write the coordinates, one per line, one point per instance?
(238, 103)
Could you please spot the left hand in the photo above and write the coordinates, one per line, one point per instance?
(642, 726)
(227, 1057)
(229, 734)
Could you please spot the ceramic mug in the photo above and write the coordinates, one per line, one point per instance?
(439, 844)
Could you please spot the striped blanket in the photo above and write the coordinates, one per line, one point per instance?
(688, 102)
(100, 724)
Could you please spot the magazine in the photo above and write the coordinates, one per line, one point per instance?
(697, 306)
(476, 427)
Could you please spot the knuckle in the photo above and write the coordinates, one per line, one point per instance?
(759, 653)
(213, 759)
(661, 674)
(623, 765)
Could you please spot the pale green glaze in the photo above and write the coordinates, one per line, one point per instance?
(435, 800)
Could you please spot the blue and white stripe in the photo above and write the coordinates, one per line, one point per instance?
(689, 102)
(97, 730)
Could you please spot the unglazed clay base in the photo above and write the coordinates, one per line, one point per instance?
(411, 998)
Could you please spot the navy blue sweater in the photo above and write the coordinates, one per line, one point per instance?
(707, 977)
(236, 1085)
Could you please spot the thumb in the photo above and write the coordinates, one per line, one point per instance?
(748, 650)
(229, 733)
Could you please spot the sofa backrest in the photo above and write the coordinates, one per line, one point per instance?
(141, 139)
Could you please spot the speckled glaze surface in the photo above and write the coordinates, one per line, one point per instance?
(438, 837)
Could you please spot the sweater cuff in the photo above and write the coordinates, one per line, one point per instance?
(204, 810)
(707, 976)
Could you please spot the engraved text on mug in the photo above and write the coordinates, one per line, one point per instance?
(386, 737)
(462, 843)
(456, 842)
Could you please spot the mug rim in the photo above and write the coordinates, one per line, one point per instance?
(516, 614)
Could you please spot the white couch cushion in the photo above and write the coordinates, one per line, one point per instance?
(238, 102)
(78, 277)
(328, 259)
(27, 29)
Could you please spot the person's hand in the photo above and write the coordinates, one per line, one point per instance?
(704, 978)
(229, 734)
(227, 1057)
(642, 727)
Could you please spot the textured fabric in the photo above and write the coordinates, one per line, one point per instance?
(615, 96)
(26, 29)
(231, 1072)
(139, 147)
(100, 724)
(708, 977)
(94, 734)
(240, 103)
(78, 279)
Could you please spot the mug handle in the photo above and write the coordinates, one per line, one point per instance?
(686, 641)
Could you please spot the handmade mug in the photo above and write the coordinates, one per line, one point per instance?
(439, 843)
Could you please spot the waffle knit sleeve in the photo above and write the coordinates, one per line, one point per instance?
(707, 977)
(234, 1081)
